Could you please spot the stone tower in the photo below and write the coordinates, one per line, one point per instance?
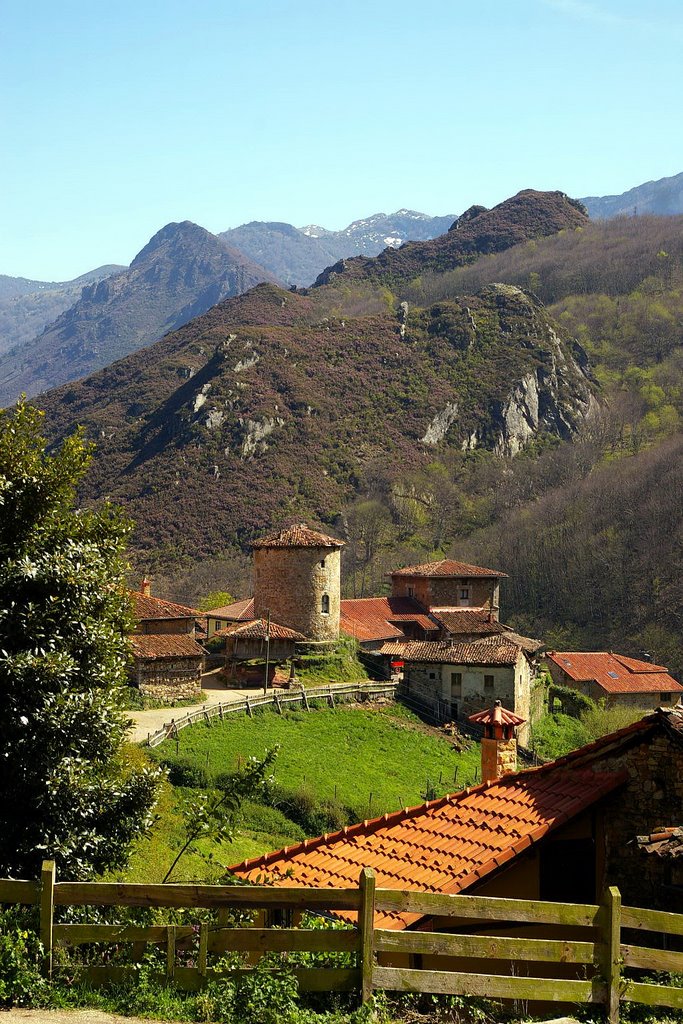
(297, 580)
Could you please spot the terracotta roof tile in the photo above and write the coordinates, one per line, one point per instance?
(256, 629)
(490, 651)
(447, 567)
(148, 646)
(437, 846)
(465, 836)
(614, 673)
(379, 618)
(156, 608)
(468, 620)
(298, 536)
(237, 610)
(497, 715)
(667, 842)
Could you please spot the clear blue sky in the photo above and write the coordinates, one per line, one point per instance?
(118, 118)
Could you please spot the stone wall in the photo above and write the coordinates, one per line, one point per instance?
(651, 799)
(498, 757)
(167, 679)
(433, 685)
(638, 701)
(292, 582)
(438, 592)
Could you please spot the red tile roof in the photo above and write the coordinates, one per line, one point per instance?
(256, 629)
(445, 845)
(379, 618)
(298, 536)
(468, 620)
(235, 611)
(156, 608)
(614, 673)
(450, 845)
(149, 646)
(490, 651)
(447, 567)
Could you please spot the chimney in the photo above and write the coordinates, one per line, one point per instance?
(499, 746)
(146, 587)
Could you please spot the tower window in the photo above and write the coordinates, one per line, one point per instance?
(325, 604)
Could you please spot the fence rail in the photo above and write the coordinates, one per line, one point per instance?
(441, 959)
(277, 698)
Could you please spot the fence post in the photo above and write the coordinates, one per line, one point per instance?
(47, 908)
(170, 950)
(366, 924)
(612, 903)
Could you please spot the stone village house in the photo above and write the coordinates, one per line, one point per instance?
(454, 680)
(167, 659)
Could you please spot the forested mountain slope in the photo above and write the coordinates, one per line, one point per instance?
(261, 410)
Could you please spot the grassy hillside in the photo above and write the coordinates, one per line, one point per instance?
(339, 765)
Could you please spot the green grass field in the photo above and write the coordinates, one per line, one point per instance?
(372, 761)
(364, 760)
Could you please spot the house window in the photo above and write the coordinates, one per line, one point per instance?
(464, 593)
(665, 698)
(411, 591)
(325, 604)
(456, 684)
(432, 675)
(322, 563)
(489, 682)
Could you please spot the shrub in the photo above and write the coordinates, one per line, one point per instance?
(182, 772)
(20, 980)
(312, 815)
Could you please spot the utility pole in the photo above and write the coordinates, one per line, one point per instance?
(265, 681)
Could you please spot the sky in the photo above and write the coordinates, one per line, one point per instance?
(118, 118)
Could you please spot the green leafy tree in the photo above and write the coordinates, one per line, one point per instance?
(214, 817)
(216, 599)
(66, 788)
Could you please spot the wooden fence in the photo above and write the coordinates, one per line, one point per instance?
(577, 939)
(277, 699)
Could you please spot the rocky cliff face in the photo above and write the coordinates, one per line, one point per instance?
(27, 306)
(263, 408)
(180, 273)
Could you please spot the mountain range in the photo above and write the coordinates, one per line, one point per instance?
(27, 306)
(180, 273)
(298, 255)
(60, 332)
(661, 198)
(275, 404)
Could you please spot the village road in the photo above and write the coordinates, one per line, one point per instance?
(21, 1016)
(145, 722)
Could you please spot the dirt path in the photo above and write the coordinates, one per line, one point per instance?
(145, 722)
(67, 1017)
(99, 1017)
